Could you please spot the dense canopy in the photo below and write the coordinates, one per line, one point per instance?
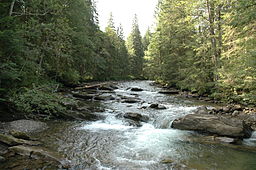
(206, 47)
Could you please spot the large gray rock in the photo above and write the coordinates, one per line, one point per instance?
(27, 126)
(214, 124)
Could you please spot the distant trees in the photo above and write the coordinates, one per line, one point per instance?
(135, 49)
(119, 67)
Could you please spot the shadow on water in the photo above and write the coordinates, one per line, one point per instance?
(113, 144)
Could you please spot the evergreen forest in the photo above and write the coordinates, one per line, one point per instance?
(206, 47)
(78, 94)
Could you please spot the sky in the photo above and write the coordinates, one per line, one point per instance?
(123, 12)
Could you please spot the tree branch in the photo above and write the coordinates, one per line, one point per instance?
(31, 14)
(11, 7)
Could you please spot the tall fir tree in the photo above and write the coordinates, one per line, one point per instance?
(119, 56)
(135, 50)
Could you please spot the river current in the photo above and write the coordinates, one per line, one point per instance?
(111, 143)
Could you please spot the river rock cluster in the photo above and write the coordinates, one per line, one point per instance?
(227, 121)
(17, 145)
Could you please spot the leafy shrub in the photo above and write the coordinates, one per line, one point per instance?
(38, 100)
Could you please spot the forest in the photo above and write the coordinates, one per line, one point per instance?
(206, 47)
(105, 100)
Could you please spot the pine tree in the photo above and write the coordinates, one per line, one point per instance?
(237, 74)
(135, 49)
(146, 39)
(119, 55)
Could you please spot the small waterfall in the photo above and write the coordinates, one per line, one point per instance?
(252, 140)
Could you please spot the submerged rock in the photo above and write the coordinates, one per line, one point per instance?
(130, 122)
(228, 140)
(219, 125)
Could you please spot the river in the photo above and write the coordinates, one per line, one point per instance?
(111, 143)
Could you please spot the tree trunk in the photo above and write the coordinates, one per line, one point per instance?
(212, 19)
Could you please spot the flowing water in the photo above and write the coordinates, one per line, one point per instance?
(111, 143)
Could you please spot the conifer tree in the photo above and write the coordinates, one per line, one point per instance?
(135, 49)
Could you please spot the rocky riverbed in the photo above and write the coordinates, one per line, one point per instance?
(130, 125)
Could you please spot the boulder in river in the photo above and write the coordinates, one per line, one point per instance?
(214, 124)
(136, 89)
(130, 100)
(172, 92)
(157, 106)
(154, 105)
(136, 117)
(202, 110)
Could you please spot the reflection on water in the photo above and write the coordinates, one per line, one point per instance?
(112, 144)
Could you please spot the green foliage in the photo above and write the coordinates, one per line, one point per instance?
(43, 41)
(38, 100)
(237, 75)
(207, 47)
